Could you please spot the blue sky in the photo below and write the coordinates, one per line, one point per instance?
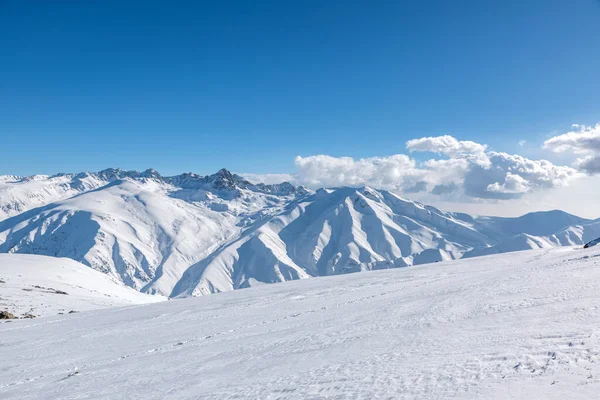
(196, 86)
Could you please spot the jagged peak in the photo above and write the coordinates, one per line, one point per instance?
(222, 181)
(10, 178)
(226, 181)
(225, 175)
(151, 173)
(224, 172)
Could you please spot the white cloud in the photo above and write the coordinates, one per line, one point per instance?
(522, 143)
(489, 174)
(446, 188)
(579, 198)
(468, 171)
(393, 172)
(445, 145)
(583, 141)
(512, 184)
(539, 173)
(589, 164)
(418, 187)
(268, 178)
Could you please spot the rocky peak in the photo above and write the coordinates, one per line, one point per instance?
(110, 174)
(222, 180)
(224, 173)
(150, 173)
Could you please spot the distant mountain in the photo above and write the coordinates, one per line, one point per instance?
(195, 235)
(580, 232)
(19, 194)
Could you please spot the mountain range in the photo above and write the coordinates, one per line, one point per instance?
(191, 235)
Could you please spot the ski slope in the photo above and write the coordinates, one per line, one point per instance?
(513, 326)
(42, 286)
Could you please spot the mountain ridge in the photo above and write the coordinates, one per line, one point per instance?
(190, 235)
(45, 189)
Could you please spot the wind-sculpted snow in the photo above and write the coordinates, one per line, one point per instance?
(513, 326)
(195, 235)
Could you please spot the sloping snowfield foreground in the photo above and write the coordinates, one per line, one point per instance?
(519, 325)
(41, 286)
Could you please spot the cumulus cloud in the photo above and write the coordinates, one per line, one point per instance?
(510, 176)
(445, 145)
(393, 172)
(462, 171)
(444, 188)
(465, 170)
(583, 141)
(589, 164)
(513, 184)
(418, 187)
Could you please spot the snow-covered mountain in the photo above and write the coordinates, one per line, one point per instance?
(144, 229)
(32, 285)
(19, 194)
(513, 326)
(195, 235)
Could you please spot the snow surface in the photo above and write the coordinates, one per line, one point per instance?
(42, 286)
(513, 326)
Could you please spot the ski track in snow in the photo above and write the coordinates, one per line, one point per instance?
(519, 325)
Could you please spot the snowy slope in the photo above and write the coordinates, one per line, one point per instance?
(576, 235)
(518, 242)
(20, 194)
(513, 326)
(541, 223)
(145, 231)
(195, 235)
(42, 286)
(332, 232)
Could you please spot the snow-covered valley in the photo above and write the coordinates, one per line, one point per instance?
(192, 235)
(513, 326)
